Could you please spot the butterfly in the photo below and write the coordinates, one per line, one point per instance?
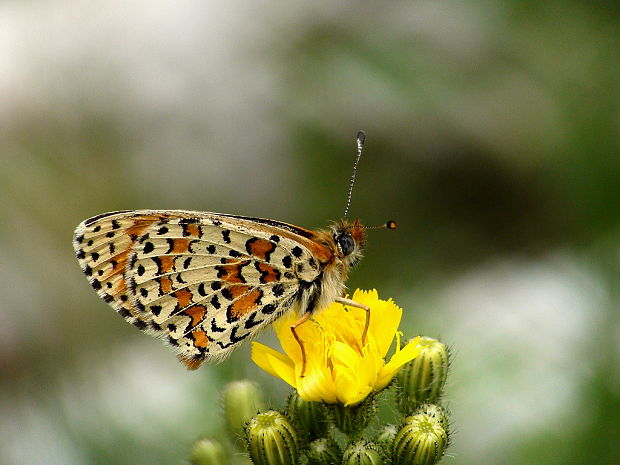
(206, 282)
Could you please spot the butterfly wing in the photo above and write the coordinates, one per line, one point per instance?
(203, 282)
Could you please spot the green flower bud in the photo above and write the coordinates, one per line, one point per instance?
(242, 401)
(362, 453)
(353, 420)
(423, 378)
(208, 452)
(323, 451)
(422, 438)
(271, 439)
(310, 418)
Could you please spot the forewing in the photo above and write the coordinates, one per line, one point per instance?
(203, 282)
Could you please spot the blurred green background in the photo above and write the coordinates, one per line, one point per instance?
(493, 139)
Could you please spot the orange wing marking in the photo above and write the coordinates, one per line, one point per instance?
(193, 230)
(166, 285)
(260, 248)
(200, 339)
(268, 273)
(166, 264)
(197, 313)
(184, 297)
(245, 304)
(232, 273)
(179, 246)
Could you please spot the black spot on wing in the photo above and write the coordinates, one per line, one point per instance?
(278, 290)
(148, 247)
(124, 313)
(268, 309)
(251, 322)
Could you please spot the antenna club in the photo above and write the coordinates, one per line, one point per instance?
(361, 136)
(391, 224)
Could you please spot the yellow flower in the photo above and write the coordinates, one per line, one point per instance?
(338, 368)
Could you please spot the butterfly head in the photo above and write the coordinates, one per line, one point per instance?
(350, 239)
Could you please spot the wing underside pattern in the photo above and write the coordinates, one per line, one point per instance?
(202, 282)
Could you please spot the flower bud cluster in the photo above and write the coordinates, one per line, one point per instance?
(316, 433)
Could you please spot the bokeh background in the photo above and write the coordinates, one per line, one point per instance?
(493, 138)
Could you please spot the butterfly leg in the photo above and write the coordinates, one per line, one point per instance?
(301, 321)
(353, 303)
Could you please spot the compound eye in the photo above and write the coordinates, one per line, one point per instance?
(346, 244)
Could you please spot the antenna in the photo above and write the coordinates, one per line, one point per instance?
(361, 137)
(391, 224)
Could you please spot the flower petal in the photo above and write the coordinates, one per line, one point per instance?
(273, 362)
(408, 353)
(317, 386)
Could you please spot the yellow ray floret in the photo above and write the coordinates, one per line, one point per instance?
(338, 368)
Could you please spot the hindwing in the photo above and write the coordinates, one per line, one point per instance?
(203, 282)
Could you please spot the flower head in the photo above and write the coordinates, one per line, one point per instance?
(339, 368)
